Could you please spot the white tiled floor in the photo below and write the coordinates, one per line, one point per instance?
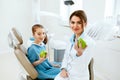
(9, 67)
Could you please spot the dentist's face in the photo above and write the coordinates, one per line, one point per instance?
(77, 25)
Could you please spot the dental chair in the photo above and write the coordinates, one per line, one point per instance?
(15, 41)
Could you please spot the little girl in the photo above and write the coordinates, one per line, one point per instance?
(42, 65)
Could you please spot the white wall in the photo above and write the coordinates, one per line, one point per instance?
(14, 13)
(94, 10)
(106, 60)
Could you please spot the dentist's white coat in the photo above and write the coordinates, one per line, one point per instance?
(77, 67)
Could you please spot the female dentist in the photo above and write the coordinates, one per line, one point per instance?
(76, 59)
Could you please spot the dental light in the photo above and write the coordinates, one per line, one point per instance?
(68, 2)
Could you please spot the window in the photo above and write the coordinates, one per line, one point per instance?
(109, 8)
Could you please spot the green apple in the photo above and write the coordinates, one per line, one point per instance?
(81, 43)
(43, 54)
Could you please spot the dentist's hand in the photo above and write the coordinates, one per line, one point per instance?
(78, 49)
(64, 73)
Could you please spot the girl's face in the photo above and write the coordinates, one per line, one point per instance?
(77, 25)
(39, 35)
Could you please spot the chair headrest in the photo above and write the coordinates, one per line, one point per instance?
(14, 38)
(17, 35)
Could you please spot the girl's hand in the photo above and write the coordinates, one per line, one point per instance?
(38, 61)
(64, 73)
(47, 55)
(41, 59)
(78, 49)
